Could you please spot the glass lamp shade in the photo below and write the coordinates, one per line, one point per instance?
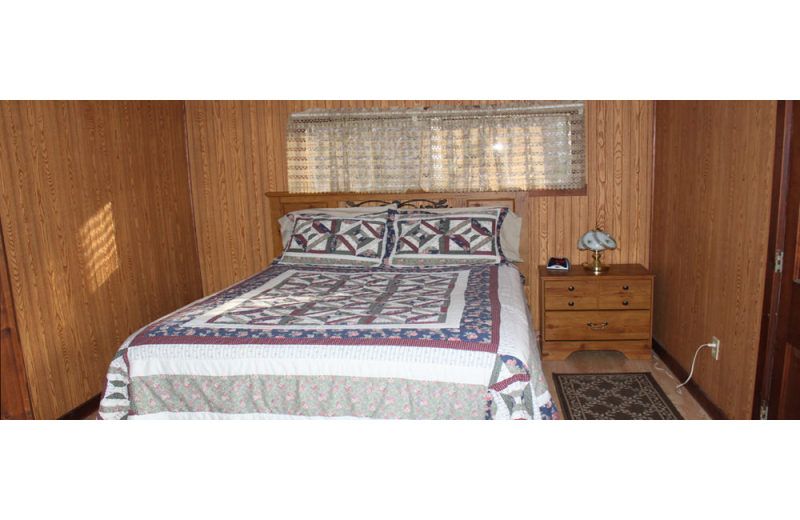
(596, 240)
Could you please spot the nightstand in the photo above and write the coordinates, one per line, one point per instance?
(584, 311)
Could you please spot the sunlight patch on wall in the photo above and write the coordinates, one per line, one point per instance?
(99, 246)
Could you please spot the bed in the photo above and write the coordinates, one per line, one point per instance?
(371, 310)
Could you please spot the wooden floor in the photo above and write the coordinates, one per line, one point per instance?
(611, 362)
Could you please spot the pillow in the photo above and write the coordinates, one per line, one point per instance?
(457, 236)
(510, 231)
(510, 228)
(325, 239)
(287, 221)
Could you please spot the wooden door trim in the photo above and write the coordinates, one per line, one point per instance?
(17, 403)
(765, 368)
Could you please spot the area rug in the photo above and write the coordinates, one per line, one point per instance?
(626, 396)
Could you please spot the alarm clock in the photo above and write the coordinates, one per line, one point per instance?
(558, 264)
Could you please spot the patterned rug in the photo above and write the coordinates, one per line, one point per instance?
(613, 396)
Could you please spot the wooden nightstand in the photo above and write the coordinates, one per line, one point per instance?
(584, 311)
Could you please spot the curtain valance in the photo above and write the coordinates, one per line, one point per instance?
(513, 146)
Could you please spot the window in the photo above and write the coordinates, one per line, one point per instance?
(530, 146)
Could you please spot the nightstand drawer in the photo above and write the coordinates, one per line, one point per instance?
(605, 325)
(625, 294)
(570, 295)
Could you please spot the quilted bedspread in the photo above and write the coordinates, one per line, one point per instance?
(331, 342)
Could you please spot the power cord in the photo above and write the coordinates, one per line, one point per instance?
(678, 388)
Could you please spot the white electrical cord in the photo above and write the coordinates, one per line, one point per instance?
(678, 388)
(655, 365)
(693, 360)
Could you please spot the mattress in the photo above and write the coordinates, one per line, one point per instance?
(302, 342)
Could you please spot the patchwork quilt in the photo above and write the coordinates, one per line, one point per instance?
(295, 341)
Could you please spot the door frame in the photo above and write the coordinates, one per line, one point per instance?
(777, 286)
(15, 397)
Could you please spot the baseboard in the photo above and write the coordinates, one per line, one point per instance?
(82, 411)
(711, 408)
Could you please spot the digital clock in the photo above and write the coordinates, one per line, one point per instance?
(558, 264)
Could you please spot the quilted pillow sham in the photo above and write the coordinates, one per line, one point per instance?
(324, 239)
(464, 236)
(287, 221)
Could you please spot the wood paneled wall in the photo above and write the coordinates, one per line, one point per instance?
(713, 174)
(95, 210)
(619, 156)
(96, 213)
(237, 152)
(96, 216)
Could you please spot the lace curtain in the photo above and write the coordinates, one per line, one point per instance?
(519, 146)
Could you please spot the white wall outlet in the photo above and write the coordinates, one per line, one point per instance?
(715, 347)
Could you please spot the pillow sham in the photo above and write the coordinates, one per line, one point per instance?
(287, 221)
(455, 237)
(510, 228)
(324, 239)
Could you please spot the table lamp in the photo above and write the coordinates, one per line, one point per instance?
(596, 240)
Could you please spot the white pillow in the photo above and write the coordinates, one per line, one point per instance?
(509, 236)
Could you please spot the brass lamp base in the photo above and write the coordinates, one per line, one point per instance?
(597, 266)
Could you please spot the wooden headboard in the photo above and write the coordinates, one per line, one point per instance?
(281, 203)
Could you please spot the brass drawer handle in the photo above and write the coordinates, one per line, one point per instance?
(601, 327)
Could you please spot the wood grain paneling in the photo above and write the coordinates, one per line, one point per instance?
(96, 213)
(98, 231)
(713, 174)
(619, 179)
(237, 148)
(230, 157)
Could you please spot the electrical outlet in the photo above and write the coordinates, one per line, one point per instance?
(715, 347)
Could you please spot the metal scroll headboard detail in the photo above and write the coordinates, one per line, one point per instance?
(426, 204)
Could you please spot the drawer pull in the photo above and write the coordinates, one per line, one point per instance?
(571, 304)
(571, 288)
(601, 327)
(625, 287)
(625, 302)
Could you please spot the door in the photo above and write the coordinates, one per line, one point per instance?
(789, 382)
(15, 401)
(789, 311)
(780, 376)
